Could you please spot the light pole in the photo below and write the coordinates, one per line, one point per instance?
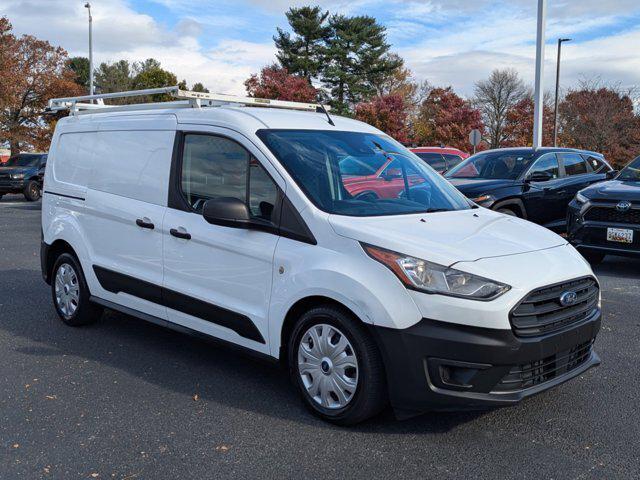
(555, 110)
(539, 92)
(88, 7)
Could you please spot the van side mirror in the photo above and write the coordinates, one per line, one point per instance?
(539, 176)
(611, 174)
(227, 212)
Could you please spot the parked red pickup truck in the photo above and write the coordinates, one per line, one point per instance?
(440, 159)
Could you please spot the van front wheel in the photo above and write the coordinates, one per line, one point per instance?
(32, 191)
(71, 294)
(337, 367)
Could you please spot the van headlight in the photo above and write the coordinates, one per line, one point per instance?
(429, 277)
(17, 176)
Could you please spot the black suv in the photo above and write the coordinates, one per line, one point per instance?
(23, 173)
(535, 184)
(605, 218)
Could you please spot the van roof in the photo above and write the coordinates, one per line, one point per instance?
(245, 119)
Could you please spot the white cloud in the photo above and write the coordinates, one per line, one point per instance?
(455, 42)
(121, 32)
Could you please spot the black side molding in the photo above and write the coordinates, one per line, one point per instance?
(182, 329)
(63, 195)
(115, 282)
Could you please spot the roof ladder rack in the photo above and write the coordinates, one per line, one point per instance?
(186, 99)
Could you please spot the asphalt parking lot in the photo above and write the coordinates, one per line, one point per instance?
(125, 399)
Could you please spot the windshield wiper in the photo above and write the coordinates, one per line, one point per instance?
(433, 210)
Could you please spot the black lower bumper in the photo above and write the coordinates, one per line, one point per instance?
(44, 259)
(590, 236)
(436, 366)
(12, 187)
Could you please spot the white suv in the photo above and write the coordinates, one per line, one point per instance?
(320, 242)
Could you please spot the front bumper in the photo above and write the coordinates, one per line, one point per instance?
(11, 186)
(437, 366)
(588, 235)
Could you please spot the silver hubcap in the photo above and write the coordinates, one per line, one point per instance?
(328, 366)
(67, 290)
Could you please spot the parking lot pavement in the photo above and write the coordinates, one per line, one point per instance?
(126, 399)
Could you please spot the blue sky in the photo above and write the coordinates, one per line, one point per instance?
(448, 42)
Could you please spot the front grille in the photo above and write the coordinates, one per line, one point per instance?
(541, 311)
(612, 215)
(539, 371)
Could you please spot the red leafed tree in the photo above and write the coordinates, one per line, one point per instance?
(601, 119)
(31, 71)
(444, 118)
(388, 113)
(275, 83)
(518, 126)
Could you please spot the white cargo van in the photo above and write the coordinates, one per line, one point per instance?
(318, 241)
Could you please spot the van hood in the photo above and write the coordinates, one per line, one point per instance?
(472, 187)
(613, 190)
(449, 237)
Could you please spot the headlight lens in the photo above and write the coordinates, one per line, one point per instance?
(581, 199)
(430, 277)
(484, 200)
(17, 176)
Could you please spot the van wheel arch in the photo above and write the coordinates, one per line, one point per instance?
(300, 308)
(56, 249)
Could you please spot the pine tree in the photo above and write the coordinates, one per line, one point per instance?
(302, 54)
(357, 60)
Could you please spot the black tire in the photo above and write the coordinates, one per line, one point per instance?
(371, 395)
(32, 191)
(508, 211)
(594, 258)
(84, 312)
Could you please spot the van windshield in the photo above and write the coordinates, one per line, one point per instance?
(361, 174)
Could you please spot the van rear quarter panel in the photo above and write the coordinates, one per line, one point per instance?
(121, 168)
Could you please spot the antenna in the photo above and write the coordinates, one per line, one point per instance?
(323, 109)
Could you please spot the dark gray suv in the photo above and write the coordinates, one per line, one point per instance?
(23, 173)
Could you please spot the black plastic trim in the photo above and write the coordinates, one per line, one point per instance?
(44, 255)
(63, 195)
(182, 329)
(409, 353)
(115, 282)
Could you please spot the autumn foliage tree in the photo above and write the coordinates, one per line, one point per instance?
(388, 113)
(31, 72)
(276, 83)
(444, 118)
(602, 119)
(518, 125)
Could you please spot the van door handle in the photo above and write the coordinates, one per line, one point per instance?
(180, 234)
(145, 223)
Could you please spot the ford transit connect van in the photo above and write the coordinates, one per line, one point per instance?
(233, 219)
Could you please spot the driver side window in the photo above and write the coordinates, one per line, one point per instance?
(214, 167)
(547, 164)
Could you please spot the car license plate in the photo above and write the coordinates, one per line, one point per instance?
(621, 235)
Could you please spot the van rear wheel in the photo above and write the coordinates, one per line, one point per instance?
(337, 367)
(71, 294)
